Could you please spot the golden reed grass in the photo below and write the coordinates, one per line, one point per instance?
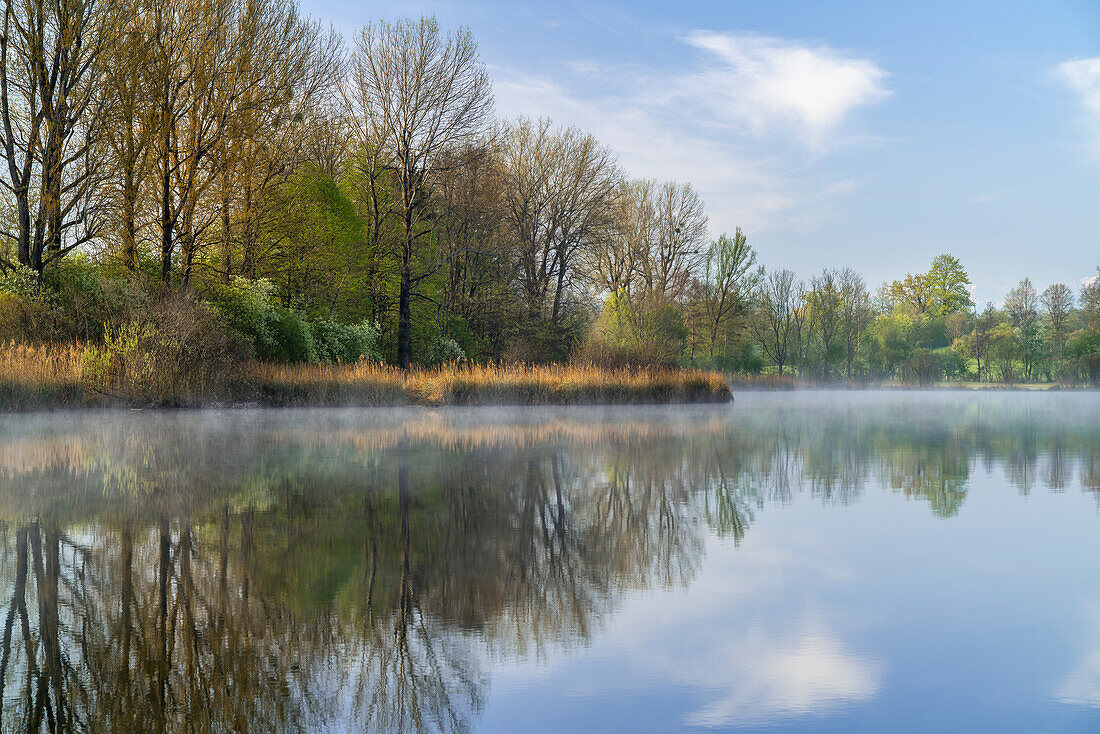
(40, 376)
(54, 376)
(374, 384)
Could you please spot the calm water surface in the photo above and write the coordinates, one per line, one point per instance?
(800, 561)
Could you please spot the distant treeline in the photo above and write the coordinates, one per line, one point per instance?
(239, 181)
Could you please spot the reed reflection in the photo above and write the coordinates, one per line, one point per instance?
(285, 571)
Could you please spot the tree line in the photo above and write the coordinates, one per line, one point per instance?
(925, 327)
(326, 199)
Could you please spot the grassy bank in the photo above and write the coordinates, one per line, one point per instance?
(72, 376)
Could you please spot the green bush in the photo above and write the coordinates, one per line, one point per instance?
(635, 331)
(336, 343)
(924, 366)
(446, 351)
(22, 281)
(291, 340)
(74, 304)
(177, 354)
(280, 334)
(953, 363)
(1085, 350)
(277, 333)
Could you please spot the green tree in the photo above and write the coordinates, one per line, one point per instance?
(947, 282)
(728, 283)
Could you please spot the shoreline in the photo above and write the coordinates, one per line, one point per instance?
(560, 402)
(360, 385)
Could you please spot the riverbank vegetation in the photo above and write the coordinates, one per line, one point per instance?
(124, 371)
(198, 198)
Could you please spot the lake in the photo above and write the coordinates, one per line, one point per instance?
(823, 561)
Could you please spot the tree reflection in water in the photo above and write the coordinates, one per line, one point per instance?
(282, 571)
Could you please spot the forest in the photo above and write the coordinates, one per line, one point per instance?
(197, 195)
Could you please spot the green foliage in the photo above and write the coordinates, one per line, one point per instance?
(277, 333)
(74, 304)
(924, 366)
(19, 281)
(290, 338)
(319, 259)
(889, 344)
(178, 354)
(1085, 350)
(947, 285)
(637, 331)
(738, 357)
(336, 343)
(446, 351)
(280, 334)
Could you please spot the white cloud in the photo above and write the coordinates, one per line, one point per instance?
(650, 147)
(1083, 77)
(770, 82)
(753, 656)
(1081, 686)
(743, 120)
(768, 677)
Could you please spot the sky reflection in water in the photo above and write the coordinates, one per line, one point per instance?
(823, 561)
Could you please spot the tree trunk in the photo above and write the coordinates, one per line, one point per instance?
(404, 312)
(166, 243)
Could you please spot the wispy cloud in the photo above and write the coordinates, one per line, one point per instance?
(1083, 77)
(773, 84)
(744, 118)
(765, 678)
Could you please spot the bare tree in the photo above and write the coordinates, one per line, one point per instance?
(582, 186)
(51, 116)
(777, 313)
(287, 71)
(676, 252)
(1057, 301)
(416, 95)
(826, 306)
(129, 129)
(560, 191)
(1090, 302)
(614, 260)
(187, 54)
(855, 314)
(1022, 303)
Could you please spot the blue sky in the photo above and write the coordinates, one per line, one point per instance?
(869, 134)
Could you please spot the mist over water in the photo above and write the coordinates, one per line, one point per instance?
(833, 561)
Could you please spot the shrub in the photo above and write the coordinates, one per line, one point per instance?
(20, 281)
(635, 331)
(1085, 350)
(74, 304)
(336, 343)
(446, 351)
(277, 333)
(178, 355)
(924, 366)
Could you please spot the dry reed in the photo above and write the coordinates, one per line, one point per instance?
(58, 376)
(40, 376)
(373, 384)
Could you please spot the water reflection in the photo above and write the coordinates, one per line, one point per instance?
(291, 570)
